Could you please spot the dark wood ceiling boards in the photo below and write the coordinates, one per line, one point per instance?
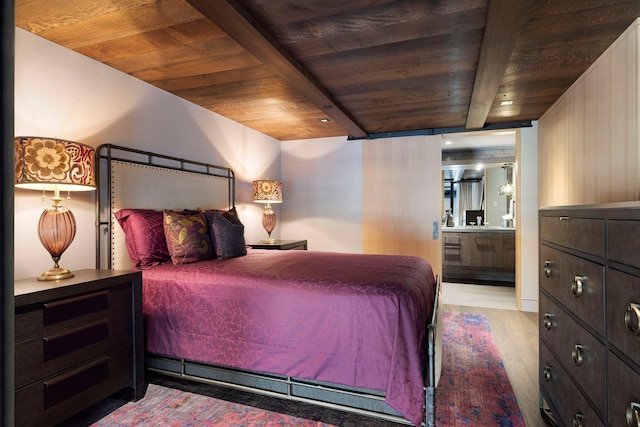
(371, 66)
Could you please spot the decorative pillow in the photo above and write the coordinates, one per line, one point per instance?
(227, 232)
(187, 237)
(144, 236)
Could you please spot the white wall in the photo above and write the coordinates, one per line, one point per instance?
(527, 227)
(322, 192)
(59, 93)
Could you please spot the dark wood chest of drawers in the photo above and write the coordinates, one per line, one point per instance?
(589, 314)
(77, 341)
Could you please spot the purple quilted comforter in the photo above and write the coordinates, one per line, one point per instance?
(350, 319)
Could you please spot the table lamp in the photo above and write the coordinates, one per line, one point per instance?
(267, 191)
(50, 164)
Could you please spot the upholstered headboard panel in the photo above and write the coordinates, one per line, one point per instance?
(133, 179)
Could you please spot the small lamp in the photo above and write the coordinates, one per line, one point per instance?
(49, 164)
(267, 191)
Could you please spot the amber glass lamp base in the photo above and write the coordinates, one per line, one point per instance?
(268, 222)
(56, 229)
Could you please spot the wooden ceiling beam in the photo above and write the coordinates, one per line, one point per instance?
(231, 18)
(504, 21)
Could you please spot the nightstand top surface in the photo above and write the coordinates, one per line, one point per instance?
(279, 244)
(32, 285)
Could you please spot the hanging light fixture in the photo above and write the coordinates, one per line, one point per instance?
(49, 164)
(507, 188)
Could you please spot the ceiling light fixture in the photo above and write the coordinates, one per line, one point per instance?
(324, 120)
(507, 102)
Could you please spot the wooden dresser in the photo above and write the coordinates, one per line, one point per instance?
(589, 314)
(78, 341)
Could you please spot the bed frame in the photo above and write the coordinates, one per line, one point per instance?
(127, 178)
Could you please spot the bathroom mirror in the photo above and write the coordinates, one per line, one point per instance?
(477, 188)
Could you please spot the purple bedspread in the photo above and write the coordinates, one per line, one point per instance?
(350, 319)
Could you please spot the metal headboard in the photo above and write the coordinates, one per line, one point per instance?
(152, 181)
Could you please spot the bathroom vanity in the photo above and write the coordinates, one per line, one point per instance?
(473, 254)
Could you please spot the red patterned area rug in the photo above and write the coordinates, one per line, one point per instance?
(168, 407)
(474, 388)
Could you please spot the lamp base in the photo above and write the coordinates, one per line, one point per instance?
(56, 274)
(269, 240)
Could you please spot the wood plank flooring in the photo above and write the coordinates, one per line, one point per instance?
(516, 334)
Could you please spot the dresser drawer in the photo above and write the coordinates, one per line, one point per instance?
(43, 356)
(56, 315)
(576, 282)
(48, 402)
(564, 397)
(624, 392)
(623, 245)
(582, 234)
(623, 312)
(582, 355)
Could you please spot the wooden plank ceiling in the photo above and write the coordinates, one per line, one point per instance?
(372, 67)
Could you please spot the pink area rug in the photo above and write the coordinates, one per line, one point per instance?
(474, 388)
(169, 407)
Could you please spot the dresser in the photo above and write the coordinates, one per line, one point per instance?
(77, 341)
(589, 314)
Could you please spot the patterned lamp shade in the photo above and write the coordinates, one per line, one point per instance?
(47, 164)
(268, 191)
(56, 165)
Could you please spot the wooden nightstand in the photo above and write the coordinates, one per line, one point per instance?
(282, 245)
(77, 342)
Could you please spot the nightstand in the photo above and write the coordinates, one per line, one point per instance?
(282, 245)
(77, 341)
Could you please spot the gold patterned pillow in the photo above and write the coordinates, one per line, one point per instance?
(187, 236)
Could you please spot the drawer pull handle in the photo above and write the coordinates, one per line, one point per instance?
(577, 355)
(565, 218)
(577, 287)
(75, 299)
(547, 269)
(578, 420)
(547, 321)
(632, 319)
(633, 415)
(546, 374)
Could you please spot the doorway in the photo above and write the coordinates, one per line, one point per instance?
(479, 181)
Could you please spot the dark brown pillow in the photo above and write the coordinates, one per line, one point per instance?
(187, 237)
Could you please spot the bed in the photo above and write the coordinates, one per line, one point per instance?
(350, 331)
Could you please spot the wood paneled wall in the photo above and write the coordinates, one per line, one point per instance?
(588, 140)
(402, 197)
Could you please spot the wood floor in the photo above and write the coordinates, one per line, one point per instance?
(516, 334)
